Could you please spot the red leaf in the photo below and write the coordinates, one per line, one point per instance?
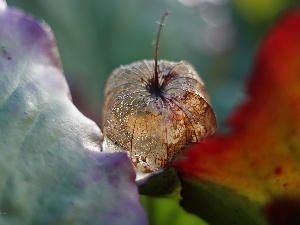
(260, 158)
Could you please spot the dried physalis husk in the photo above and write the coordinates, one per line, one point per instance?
(154, 123)
(153, 109)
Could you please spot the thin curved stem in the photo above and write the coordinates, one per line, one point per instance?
(156, 85)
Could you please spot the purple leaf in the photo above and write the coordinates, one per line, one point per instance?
(52, 170)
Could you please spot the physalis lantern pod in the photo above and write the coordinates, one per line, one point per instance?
(153, 109)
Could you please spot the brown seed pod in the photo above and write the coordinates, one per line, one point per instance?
(153, 109)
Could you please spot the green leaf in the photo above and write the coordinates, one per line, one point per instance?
(218, 204)
(167, 211)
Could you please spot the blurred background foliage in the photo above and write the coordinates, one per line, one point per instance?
(219, 37)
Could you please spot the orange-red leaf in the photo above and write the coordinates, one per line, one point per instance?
(260, 158)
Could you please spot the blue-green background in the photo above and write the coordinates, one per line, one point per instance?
(96, 36)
